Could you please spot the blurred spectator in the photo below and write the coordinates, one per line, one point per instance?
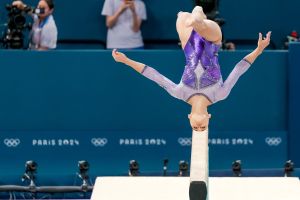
(210, 8)
(293, 37)
(230, 46)
(43, 35)
(123, 20)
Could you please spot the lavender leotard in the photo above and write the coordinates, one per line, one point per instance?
(202, 75)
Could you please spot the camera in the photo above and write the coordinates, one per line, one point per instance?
(183, 168)
(30, 166)
(17, 18)
(134, 168)
(30, 171)
(38, 11)
(288, 168)
(83, 167)
(237, 167)
(13, 37)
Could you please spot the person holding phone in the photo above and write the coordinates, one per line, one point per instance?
(123, 20)
(43, 35)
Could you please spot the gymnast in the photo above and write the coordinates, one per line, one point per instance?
(201, 84)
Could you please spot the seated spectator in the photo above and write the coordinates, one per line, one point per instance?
(123, 20)
(43, 35)
(230, 46)
(293, 37)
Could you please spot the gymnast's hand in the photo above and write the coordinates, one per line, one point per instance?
(263, 42)
(118, 56)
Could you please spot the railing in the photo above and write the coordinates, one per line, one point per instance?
(45, 189)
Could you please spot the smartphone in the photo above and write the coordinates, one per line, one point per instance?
(39, 11)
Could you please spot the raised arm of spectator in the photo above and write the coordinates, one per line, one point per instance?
(19, 4)
(22, 6)
(136, 20)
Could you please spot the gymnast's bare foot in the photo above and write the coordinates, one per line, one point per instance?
(197, 16)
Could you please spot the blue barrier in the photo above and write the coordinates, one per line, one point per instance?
(294, 99)
(109, 152)
(87, 90)
(58, 107)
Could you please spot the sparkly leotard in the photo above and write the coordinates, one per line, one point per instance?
(202, 75)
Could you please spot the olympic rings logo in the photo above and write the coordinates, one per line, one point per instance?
(185, 141)
(11, 142)
(273, 141)
(99, 142)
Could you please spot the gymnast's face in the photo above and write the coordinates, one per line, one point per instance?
(199, 122)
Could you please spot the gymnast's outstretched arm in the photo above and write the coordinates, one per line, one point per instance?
(148, 72)
(242, 67)
(122, 58)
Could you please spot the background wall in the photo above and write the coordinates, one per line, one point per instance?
(294, 97)
(63, 90)
(244, 19)
(58, 107)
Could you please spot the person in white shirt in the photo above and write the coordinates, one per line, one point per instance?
(123, 20)
(43, 34)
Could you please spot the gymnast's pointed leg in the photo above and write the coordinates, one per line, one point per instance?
(208, 29)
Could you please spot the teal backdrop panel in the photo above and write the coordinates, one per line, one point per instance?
(294, 99)
(259, 100)
(109, 152)
(87, 90)
(58, 107)
(244, 19)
